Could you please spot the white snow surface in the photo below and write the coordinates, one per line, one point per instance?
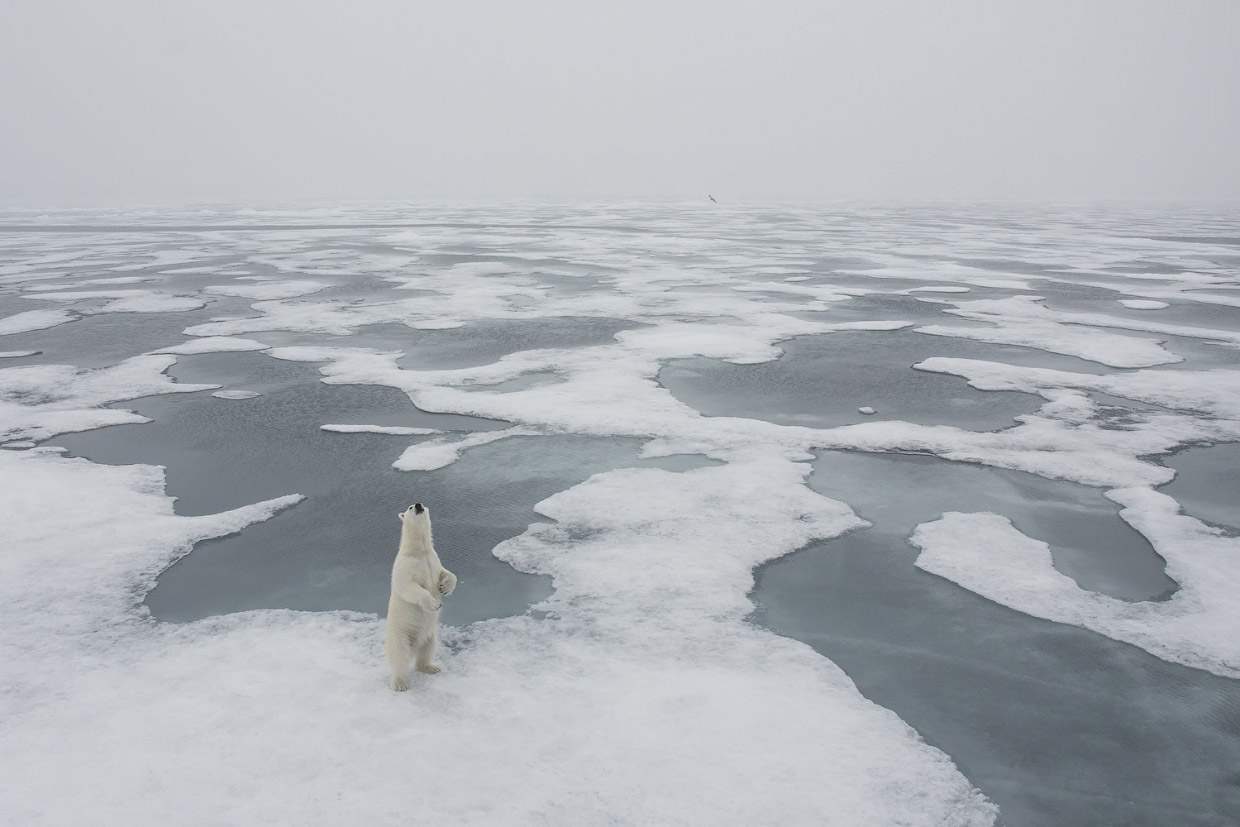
(236, 394)
(40, 401)
(214, 344)
(34, 320)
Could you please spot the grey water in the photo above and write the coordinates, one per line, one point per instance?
(1058, 725)
(821, 381)
(1207, 483)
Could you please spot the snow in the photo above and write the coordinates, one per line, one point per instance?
(427, 456)
(1143, 304)
(1022, 320)
(235, 394)
(34, 320)
(40, 401)
(214, 344)
(17, 354)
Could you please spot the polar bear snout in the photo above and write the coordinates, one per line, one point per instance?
(416, 510)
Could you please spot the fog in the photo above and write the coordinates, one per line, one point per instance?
(150, 102)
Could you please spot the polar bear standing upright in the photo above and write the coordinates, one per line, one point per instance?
(418, 582)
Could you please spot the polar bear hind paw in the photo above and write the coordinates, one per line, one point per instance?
(431, 669)
(398, 683)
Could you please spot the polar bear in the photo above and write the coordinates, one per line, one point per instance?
(418, 582)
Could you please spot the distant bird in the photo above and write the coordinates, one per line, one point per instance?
(711, 197)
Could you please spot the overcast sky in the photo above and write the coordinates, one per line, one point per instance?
(252, 101)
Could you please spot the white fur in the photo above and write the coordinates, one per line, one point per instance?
(418, 583)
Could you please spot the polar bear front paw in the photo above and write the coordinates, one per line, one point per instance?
(398, 683)
(433, 605)
(431, 669)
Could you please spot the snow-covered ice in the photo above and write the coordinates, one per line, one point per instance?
(638, 689)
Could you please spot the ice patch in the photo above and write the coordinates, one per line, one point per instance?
(939, 288)
(213, 344)
(126, 301)
(1196, 627)
(1214, 392)
(1021, 320)
(380, 429)
(17, 354)
(428, 456)
(235, 394)
(269, 289)
(34, 320)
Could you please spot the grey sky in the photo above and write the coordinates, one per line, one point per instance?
(124, 102)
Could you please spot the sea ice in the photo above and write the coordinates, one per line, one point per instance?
(34, 320)
(987, 555)
(637, 678)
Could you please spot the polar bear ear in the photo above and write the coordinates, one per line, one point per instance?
(400, 514)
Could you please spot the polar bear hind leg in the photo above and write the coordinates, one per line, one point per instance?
(425, 651)
(398, 657)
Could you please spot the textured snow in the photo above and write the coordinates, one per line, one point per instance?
(39, 401)
(34, 320)
(1022, 320)
(214, 344)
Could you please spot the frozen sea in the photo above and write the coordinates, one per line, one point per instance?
(853, 514)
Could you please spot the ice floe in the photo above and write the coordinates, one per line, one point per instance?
(398, 430)
(34, 320)
(39, 401)
(1196, 626)
(214, 344)
(269, 289)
